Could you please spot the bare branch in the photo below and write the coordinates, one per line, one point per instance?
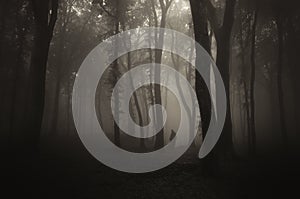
(106, 11)
(53, 16)
(168, 3)
(154, 13)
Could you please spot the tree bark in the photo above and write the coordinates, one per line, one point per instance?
(224, 147)
(223, 38)
(252, 84)
(159, 141)
(44, 23)
(280, 83)
(117, 140)
(199, 14)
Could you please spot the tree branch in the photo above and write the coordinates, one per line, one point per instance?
(154, 13)
(168, 3)
(106, 11)
(53, 16)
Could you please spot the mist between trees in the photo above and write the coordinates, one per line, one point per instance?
(255, 44)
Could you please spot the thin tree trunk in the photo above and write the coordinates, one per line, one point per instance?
(252, 84)
(138, 107)
(55, 115)
(159, 142)
(117, 140)
(280, 83)
(186, 107)
(247, 120)
(14, 127)
(69, 90)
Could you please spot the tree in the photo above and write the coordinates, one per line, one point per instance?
(36, 21)
(252, 133)
(45, 16)
(223, 37)
(159, 40)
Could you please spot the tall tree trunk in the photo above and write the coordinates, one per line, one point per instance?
(202, 37)
(59, 66)
(14, 127)
(252, 84)
(159, 141)
(176, 63)
(69, 102)
(37, 73)
(280, 83)
(244, 43)
(293, 48)
(117, 140)
(55, 115)
(225, 145)
(136, 101)
(199, 14)
(3, 12)
(151, 86)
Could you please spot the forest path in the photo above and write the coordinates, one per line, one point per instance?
(81, 176)
(58, 178)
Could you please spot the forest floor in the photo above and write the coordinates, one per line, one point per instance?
(54, 176)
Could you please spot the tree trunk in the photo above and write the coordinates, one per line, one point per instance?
(200, 20)
(58, 67)
(117, 140)
(252, 84)
(55, 116)
(280, 83)
(224, 147)
(37, 72)
(14, 111)
(202, 37)
(136, 101)
(159, 141)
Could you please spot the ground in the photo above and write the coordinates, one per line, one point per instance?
(61, 176)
